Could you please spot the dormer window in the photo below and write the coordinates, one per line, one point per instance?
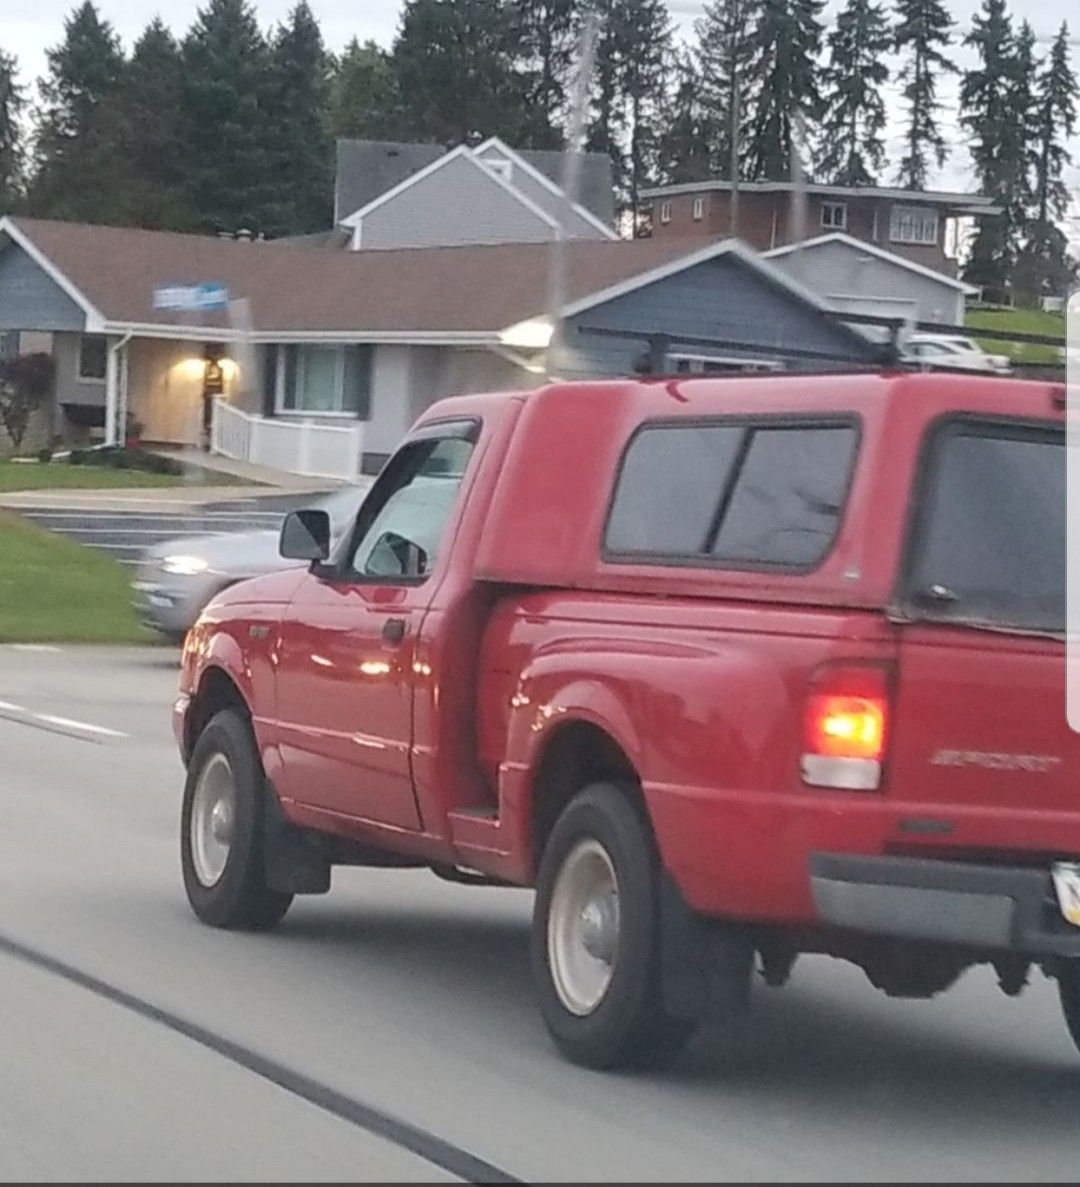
(499, 167)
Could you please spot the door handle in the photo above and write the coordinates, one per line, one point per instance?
(394, 630)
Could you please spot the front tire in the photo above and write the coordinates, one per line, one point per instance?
(222, 830)
(596, 937)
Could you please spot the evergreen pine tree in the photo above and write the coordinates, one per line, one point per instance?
(606, 128)
(629, 94)
(455, 69)
(364, 98)
(685, 151)
(12, 104)
(228, 94)
(78, 166)
(298, 103)
(644, 28)
(922, 34)
(995, 108)
(785, 82)
(725, 48)
(545, 34)
(151, 126)
(852, 148)
(1045, 265)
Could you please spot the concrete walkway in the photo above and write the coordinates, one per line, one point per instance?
(248, 471)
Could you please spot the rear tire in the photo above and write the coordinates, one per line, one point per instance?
(222, 830)
(596, 937)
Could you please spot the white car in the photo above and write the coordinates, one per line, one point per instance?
(959, 351)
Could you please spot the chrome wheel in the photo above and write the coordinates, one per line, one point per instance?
(583, 927)
(213, 818)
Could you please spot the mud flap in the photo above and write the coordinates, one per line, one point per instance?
(705, 966)
(297, 861)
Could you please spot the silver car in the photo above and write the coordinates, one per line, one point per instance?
(175, 579)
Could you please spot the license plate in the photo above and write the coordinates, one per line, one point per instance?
(1067, 884)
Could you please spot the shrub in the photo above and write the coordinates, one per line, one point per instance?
(44, 455)
(77, 457)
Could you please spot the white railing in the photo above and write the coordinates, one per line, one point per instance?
(297, 446)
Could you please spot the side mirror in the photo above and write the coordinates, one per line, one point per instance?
(393, 555)
(305, 536)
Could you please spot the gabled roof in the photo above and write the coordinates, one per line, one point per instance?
(412, 295)
(368, 168)
(872, 249)
(464, 154)
(553, 180)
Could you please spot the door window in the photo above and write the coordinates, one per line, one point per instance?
(989, 539)
(402, 523)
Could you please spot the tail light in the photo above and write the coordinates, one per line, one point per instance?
(845, 728)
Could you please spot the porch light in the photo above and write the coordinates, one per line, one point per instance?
(534, 334)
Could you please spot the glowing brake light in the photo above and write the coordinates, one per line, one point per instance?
(845, 727)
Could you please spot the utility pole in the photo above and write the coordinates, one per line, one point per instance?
(736, 120)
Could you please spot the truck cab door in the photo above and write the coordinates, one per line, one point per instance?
(347, 648)
(980, 710)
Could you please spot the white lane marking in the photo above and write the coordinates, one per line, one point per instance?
(8, 707)
(34, 647)
(81, 725)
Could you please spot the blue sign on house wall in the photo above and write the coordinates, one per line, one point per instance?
(191, 297)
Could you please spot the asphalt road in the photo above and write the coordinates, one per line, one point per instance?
(387, 1032)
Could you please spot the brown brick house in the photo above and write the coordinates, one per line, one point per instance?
(913, 224)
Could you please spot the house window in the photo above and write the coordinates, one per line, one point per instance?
(324, 380)
(665, 212)
(93, 357)
(499, 167)
(914, 224)
(699, 209)
(834, 215)
(9, 345)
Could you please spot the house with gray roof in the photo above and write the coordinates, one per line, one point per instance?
(317, 353)
(368, 169)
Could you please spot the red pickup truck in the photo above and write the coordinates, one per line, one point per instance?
(728, 669)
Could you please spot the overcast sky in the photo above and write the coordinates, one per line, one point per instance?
(29, 27)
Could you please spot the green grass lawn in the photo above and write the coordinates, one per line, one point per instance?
(63, 476)
(53, 590)
(1022, 321)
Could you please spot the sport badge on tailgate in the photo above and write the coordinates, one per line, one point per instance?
(1067, 884)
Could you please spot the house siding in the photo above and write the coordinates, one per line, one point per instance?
(457, 204)
(30, 299)
(838, 272)
(721, 298)
(573, 223)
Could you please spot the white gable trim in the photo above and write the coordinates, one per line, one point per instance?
(880, 252)
(519, 162)
(94, 320)
(702, 255)
(462, 152)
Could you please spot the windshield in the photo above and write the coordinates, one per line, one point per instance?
(990, 541)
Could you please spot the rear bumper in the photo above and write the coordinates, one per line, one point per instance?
(978, 906)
